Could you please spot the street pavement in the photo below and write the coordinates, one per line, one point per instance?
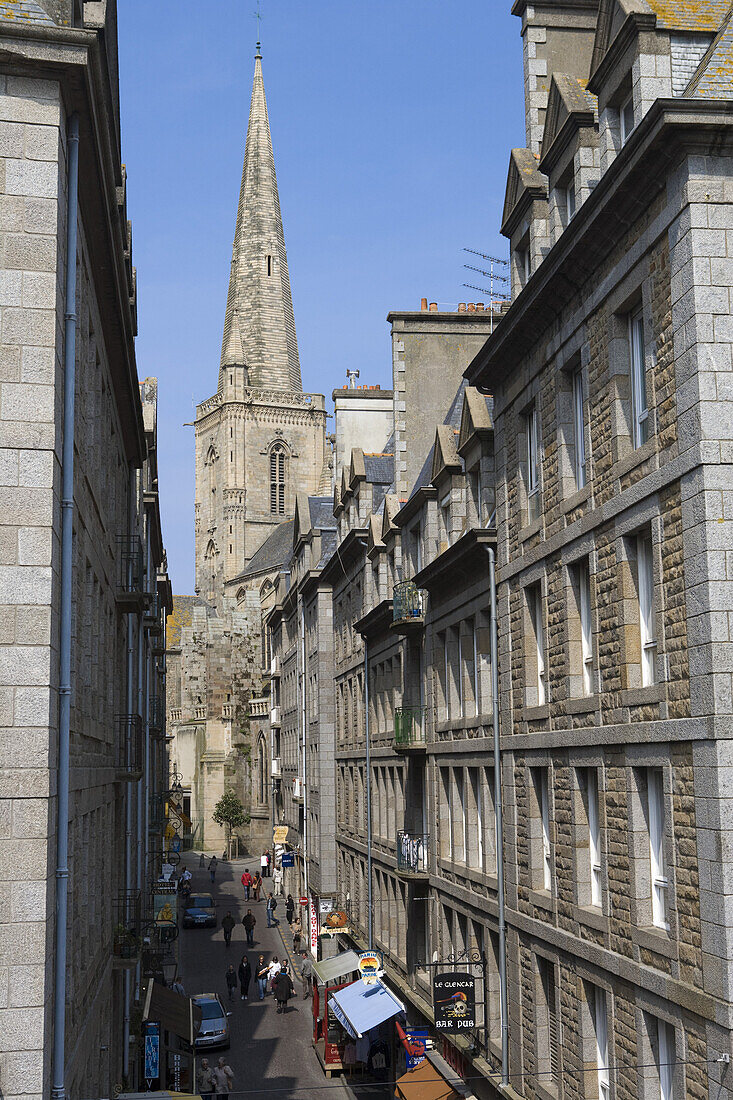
(269, 1053)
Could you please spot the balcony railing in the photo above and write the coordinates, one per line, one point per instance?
(130, 572)
(258, 708)
(412, 854)
(175, 714)
(152, 613)
(409, 728)
(156, 713)
(128, 746)
(408, 606)
(126, 937)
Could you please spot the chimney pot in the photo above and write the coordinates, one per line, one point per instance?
(423, 304)
(433, 307)
(471, 307)
(479, 307)
(461, 307)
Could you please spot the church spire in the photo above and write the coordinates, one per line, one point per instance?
(259, 326)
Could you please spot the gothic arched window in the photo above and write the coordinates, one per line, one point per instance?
(262, 772)
(277, 480)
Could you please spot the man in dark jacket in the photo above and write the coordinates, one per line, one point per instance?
(228, 927)
(249, 922)
(282, 987)
(271, 907)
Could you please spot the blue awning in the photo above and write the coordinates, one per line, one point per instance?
(361, 1007)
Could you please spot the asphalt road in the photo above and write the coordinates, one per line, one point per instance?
(269, 1053)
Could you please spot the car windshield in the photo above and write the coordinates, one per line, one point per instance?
(202, 902)
(210, 1010)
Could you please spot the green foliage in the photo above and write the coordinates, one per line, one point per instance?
(229, 811)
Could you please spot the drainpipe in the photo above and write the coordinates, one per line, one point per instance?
(303, 747)
(499, 814)
(142, 710)
(58, 1090)
(128, 794)
(368, 765)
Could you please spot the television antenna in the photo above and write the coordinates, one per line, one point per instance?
(493, 277)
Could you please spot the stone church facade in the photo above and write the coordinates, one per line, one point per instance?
(259, 441)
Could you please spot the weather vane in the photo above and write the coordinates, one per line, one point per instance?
(258, 17)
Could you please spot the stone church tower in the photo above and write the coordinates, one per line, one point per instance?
(259, 439)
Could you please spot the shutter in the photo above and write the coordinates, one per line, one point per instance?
(552, 1024)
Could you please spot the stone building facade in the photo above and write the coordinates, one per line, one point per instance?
(610, 376)
(59, 65)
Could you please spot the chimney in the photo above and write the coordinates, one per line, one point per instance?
(479, 307)
(433, 307)
(471, 307)
(461, 307)
(423, 305)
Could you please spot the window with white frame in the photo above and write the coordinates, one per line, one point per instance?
(594, 839)
(524, 266)
(599, 1013)
(416, 546)
(656, 821)
(579, 429)
(543, 849)
(637, 360)
(532, 479)
(647, 632)
(535, 679)
(586, 630)
(662, 1040)
(626, 119)
(569, 199)
(547, 1029)
(445, 520)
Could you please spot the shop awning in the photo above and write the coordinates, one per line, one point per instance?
(361, 1007)
(330, 969)
(424, 1083)
(173, 1011)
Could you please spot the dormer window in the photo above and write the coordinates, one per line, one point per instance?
(569, 200)
(523, 265)
(626, 118)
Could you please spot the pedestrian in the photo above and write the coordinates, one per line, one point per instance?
(262, 972)
(297, 928)
(289, 909)
(186, 891)
(212, 867)
(245, 977)
(282, 987)
(277, 879)
(247, 881)
(201, 860)
(257, 886)
(249, 922)
(273, 970)
(227, 926)
(271, 907)
(205, 1083)
(264, 859)
(177, 986)
(306, 974)
(223, 1079)
(231, 980)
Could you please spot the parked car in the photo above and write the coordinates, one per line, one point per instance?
(214, 1022)
(199, 912)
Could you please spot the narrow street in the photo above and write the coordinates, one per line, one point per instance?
(269, 1053)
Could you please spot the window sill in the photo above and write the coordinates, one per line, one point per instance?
(544, 1092)
(655, 939)
(530, 529)
(574, 501)
(583, 704)
(542, 899)
(635, 458)
(636, 697)
(535, 714)
(591, 916)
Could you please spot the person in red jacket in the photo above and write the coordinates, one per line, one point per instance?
(247, 881)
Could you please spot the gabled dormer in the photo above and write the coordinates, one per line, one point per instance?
(391, 538)
(375, 552)
(446, 476)
(569, 157)
(645, 50)
(525, 217)
(476, 448)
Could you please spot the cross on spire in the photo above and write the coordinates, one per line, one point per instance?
(258, 17)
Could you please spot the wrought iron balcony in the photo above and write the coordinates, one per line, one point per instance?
(156, 712)
(153, 611)
(412, 854)
(126, 931)
(409, 728)
(130, 591)
(128, 746)
(408, 607)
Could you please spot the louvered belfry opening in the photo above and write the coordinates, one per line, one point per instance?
(277, 481)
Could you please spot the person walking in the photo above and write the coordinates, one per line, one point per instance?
(245, 977)
(264, 860)
(227, 926)
(201, 860)
(273, 970)
(205, 1083)
(262, 972)
(306, 974)
(247, 881)
(177, 986)
(282, 987)
(231, 980)
(212, 868)
(289, 909)
(249, 922)
(223, 1079)
(297, 929)
(271, 907)
(257, 886)
(277, 879)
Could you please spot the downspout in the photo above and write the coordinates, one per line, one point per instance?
(58, 1090)
(128, 794)
(303, 748)
(368, 765)
(499, 814)
(142, 710)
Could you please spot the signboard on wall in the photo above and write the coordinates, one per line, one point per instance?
(454, 1001)
(151, 1031)
(417, 1037)
(288, 859)
(313, 910)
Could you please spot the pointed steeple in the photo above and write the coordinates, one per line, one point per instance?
(259, 325)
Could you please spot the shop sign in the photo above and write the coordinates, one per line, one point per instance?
(314, 928)
(280, 834)
(454, 1001)
(165, 886)
(165, 907)
(288, 859)
(371, 966)
(166, 871)
(417, 1037)
(151, 1031)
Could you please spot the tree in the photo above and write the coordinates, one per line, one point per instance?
(229, 812)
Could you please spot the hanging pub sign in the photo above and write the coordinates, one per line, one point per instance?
(280, 834)
(454, 1001)
(371, 966)
(288, 859)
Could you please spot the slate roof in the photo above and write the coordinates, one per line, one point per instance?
(25, 11)
(452, 420)
(274, 552)
(714, 76)
(379, 468)
(690, 15)
(321, 511)
(329, 542)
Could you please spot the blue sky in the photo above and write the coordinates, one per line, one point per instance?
(392, 124)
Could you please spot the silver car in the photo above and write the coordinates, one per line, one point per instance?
(214, 1031)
